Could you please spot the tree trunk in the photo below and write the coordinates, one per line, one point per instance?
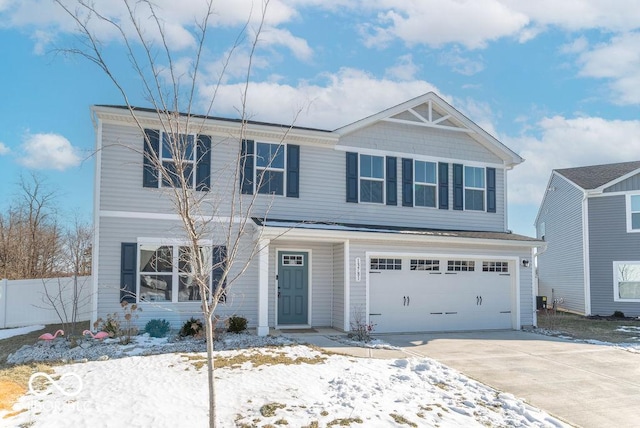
(210, 371)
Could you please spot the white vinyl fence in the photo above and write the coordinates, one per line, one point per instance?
(25, 302)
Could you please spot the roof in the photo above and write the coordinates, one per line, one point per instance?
(595, 176)
(414, 231)
(218, 118)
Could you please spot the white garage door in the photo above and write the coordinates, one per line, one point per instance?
(439, 294)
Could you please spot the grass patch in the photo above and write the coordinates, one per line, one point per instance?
(605, 329)
(313, 424)
(259, 359)
(401, 420)
(14, 382)
(269, 409)
(344, 422)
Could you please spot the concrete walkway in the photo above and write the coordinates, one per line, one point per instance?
(585, 385)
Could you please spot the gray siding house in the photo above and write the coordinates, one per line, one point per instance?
(590, 220)
(399, 220)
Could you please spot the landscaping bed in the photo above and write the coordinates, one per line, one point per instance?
(612, 329)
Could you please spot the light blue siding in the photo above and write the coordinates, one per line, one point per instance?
(561, 266)
(609, 242)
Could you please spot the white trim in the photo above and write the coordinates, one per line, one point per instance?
(347, 286)
(378, 152)
(586, 255)
(263, 288)
(616, 290)
(172, 241)
(162, 216)
(505, 209)
(628, 197)
(309, 286)
(534, 288)
(95, 257)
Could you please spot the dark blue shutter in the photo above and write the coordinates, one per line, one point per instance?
(203, 166)
(458, 187)
(392, 179)
(128, 271)
(443, 186)
(246, 167)
(219, 265)
(151, 145)
(293, 171)
(352, 177)
(491, 190)
(407, 182)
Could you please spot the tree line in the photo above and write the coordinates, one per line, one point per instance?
(36, 242)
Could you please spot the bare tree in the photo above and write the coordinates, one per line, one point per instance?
(30, 236)
(204, 213)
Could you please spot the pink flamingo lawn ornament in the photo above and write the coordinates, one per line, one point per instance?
(49, 337)
(99, 335)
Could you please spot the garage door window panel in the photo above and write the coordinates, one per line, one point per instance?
(495, 267)
(386, 264)
(425, 264)
(461, 265)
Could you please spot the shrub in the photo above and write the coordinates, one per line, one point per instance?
(111, 325)
(618, 314)
(157, 328)
(237, 324)
(192, 327)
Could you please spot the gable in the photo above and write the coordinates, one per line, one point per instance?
(627, 185)
(430, 116)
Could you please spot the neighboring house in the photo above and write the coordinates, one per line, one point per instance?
(399, 219)
(590, 219)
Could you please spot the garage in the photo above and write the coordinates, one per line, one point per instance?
(415, 293)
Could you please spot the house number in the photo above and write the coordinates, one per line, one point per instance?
(358, 269)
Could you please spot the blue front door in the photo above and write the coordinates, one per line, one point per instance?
(293, 287)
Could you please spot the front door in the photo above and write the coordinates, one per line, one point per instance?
(293, 287)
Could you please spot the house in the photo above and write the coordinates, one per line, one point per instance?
(399, 220)
(590, 219)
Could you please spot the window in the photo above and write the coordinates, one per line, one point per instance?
(633, 219)
(473, 188)
(422, 264)
(495, 266)
(292, 260)
(386, 264)
(270, 168)
(461, 266)
(626, 281)
(174, 153)
(542, 230)
(167, 274)
(425, 184)
(371, 179)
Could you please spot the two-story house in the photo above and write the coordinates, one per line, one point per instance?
(590, 219)
(399, 219)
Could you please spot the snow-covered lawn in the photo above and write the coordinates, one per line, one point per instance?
(258, 386)
(6, 333)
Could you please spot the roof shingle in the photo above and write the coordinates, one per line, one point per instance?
(594, 176)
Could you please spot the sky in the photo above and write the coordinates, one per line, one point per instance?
(557, 82)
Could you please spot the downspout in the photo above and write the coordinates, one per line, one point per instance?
(585, 254)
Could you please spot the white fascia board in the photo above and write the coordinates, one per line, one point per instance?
(327, 235)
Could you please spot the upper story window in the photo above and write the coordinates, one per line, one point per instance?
(270, 171)
(633, 213)
(371, 179)
(178, 159)
(270, 168)
(474, 188)
(425, 184)
(172, 159)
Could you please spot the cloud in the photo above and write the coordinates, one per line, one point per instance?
(404, 69)
(460, 63)
(4, 149)
(334, 101)
(48, 151)
(617, 61)
(566, 143)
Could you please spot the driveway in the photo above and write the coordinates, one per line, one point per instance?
(585, 385)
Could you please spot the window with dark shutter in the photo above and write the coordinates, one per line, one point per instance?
(491, 190)
(392, 177)
(352, 177)
(407, 182)
(246, 167)
(458, 187)
(151, 147)
(203, 163)
(128, 271)
(293, 171)
(443, 186)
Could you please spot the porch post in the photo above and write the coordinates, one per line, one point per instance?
(347, 287)
(263, 287)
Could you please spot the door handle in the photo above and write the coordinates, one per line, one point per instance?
(480, 300)
(408, 300)
(404, 300)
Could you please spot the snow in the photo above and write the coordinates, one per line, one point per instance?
(302, 383)
(10, 332)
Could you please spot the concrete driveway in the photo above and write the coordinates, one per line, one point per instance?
(585, 385)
